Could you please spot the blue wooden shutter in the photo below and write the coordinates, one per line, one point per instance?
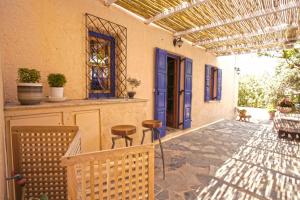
(161, 88)
(207, 95)
(219, 85)
(188, 79)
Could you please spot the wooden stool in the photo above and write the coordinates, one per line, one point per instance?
(122, 132)
(153, 126)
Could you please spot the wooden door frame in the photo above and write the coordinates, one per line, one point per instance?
(177, 76)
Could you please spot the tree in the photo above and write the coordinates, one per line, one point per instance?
(269, 90)
(251, 91)
(290, 57)
(286, 80)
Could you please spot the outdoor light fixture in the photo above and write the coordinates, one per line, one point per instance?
(237, 70)
(177, 42)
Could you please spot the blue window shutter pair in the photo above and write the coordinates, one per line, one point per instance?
(207, 89)
(207, 96)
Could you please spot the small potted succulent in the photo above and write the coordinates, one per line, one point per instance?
(134, 83)
(271, 111)
(285, 105)
(56, 83)
(30, 91)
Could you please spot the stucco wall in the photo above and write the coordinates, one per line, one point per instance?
(2, 162)
(49, 35)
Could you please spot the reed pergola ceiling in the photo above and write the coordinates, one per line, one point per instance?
(221, 26)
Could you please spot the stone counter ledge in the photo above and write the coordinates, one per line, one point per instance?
(67, 103)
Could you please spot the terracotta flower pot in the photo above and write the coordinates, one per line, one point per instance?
(284, 109)
(30, 93)
(271, 115)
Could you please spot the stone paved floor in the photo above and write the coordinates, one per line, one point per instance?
(229, 160)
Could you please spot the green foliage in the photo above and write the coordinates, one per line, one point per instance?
(133, 82)
(286, 103)
(28, 75)
(269, 90)
(271, 108)
(251, 92)
(43, 197)
(56, 80)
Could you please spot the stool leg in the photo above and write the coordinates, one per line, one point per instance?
(142, 142)
(144, 133)
(113, 143)
(126, 141)
(130, 140)
(162, 152)
(152, 135)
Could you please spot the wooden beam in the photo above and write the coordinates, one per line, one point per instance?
(173, 10)
(233, 52)
(268, 30)
(260, 13)
(248, 46)
(109, 2)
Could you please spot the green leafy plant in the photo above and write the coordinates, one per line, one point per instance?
(260, 91)
(28, 75)
(56, 80)
(286, 103)
(43, 197)
(133, 82)
(271, 108)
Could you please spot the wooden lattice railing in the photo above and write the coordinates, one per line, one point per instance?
(126, 173)
(37, 151)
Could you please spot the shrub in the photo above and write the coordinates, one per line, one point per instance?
(133, 82)
(271, 108)
(286, 103)
(28, 75)
(56, 80)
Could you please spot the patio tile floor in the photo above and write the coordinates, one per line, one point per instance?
(229, 160)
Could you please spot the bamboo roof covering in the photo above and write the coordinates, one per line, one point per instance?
(221, 26)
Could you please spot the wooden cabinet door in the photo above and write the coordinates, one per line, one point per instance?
(53, 119)
(89, 124)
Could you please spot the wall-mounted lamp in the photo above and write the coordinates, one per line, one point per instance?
(237, 70)
(177, 42)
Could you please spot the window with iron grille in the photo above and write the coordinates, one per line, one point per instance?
(106, 53)
(101, 65)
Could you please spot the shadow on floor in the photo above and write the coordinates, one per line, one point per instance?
(229, 160)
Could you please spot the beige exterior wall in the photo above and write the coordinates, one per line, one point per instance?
(50, 35)
(2, 160)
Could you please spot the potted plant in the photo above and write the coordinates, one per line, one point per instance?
(29, 90)
(134, 83)
(271, 111)
(285, 105)
(56, 83)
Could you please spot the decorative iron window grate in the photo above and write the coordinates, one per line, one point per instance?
(106, 58)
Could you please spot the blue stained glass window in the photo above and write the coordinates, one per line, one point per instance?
(101, 65)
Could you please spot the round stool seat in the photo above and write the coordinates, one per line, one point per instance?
(152, 124)
(123, 130)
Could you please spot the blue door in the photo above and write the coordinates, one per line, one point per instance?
(219, 85)
(161, 88)
(188, 70)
